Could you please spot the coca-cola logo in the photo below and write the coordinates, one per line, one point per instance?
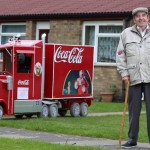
(23, 82)
(72, 56)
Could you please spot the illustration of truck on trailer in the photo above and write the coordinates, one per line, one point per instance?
(44, 79)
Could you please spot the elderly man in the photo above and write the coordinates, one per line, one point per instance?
(133, 63)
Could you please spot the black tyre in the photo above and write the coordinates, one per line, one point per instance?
(18, 116)
(62, 113)
(29, 115)
(53, 110)
(44, 112)
(1, 112)
(75, 110)
(84, 109)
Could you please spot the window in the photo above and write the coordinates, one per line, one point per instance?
(104, 35)
(24, 63)
(11, 29)
(6, 62)
(90, 35)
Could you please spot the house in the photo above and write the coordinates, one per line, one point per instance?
(91, 22)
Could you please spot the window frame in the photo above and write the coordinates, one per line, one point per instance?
(11, 34)
(26, 54)
(41, 25)
(97, 35)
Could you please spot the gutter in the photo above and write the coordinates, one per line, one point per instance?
(66, 16)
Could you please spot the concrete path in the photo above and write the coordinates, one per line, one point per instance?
(110, 113)
(65, 139)
(68, 139)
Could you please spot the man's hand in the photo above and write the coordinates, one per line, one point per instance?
(126, 79)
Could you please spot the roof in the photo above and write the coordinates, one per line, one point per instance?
(59, 8)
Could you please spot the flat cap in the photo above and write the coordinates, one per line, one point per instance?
(139, 9)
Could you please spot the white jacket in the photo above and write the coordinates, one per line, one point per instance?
(133, 55)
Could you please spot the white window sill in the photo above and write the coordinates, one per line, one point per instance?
(105, 64)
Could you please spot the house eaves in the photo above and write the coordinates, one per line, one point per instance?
(67, 16)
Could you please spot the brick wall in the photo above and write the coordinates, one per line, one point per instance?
(30, 30)
(66, 31)
(104, 77)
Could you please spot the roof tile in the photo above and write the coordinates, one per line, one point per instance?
(35, 7)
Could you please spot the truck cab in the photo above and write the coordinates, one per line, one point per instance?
(19, 85)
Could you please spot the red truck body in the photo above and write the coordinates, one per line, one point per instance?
(36, 77)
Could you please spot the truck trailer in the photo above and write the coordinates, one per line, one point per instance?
(45, 79)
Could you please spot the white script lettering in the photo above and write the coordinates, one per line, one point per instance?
(24, 82)
(72, 56)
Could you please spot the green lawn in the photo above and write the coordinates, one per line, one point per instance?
(97, 107)
(101, 127)
(22, 144)
(108, 107)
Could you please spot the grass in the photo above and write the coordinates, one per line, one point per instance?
(22, 144)
(98, 107)
(100, 127)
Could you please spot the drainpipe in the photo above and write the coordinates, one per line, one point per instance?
(43, 65)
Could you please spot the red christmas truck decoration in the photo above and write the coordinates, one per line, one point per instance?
(44, 79)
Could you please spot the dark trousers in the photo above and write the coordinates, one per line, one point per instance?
(134, 106)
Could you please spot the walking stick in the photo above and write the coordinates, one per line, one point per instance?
(124, 112)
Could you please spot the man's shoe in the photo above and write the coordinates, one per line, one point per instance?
(128, 145)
